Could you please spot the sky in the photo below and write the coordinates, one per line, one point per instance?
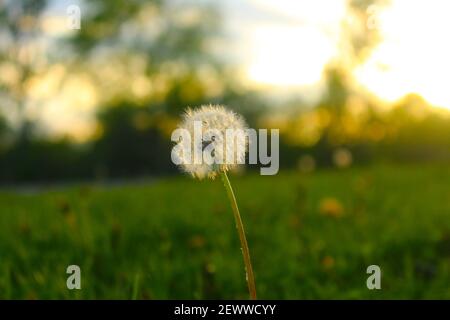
(414, 54)
(286, 43)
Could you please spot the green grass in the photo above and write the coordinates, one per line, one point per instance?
(176, 238)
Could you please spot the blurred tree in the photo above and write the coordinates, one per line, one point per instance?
(360, 35)
(4, 135)
(148, 60)
(167, 49)
(361, 30)
(19, 32)
(417, 132)
(131, 143)
(170, 43)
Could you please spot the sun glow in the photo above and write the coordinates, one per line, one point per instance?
(295, 56)
(294, 53)
(412, 57)
(414, 54)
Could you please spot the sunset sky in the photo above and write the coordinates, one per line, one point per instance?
(287, 43)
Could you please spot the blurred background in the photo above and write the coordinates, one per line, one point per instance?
(358, 89)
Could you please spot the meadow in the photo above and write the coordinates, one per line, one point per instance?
(311, 236)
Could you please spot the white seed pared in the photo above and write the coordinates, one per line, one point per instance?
(217, 132)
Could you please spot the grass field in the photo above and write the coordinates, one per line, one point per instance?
(310, 236)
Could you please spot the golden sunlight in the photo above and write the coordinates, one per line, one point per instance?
(294, 52)
(289, 56)
(65, 107)
(414, 54)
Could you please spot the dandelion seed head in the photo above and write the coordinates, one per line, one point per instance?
(215, 121)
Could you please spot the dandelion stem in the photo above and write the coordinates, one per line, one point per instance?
(242, 238)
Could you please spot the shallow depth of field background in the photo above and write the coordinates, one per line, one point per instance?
(357, 88)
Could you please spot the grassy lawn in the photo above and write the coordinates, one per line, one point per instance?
(310, 236)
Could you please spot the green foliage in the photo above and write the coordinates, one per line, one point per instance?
(176, 238)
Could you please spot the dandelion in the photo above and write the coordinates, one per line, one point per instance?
(331, 207)
(227, 153)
